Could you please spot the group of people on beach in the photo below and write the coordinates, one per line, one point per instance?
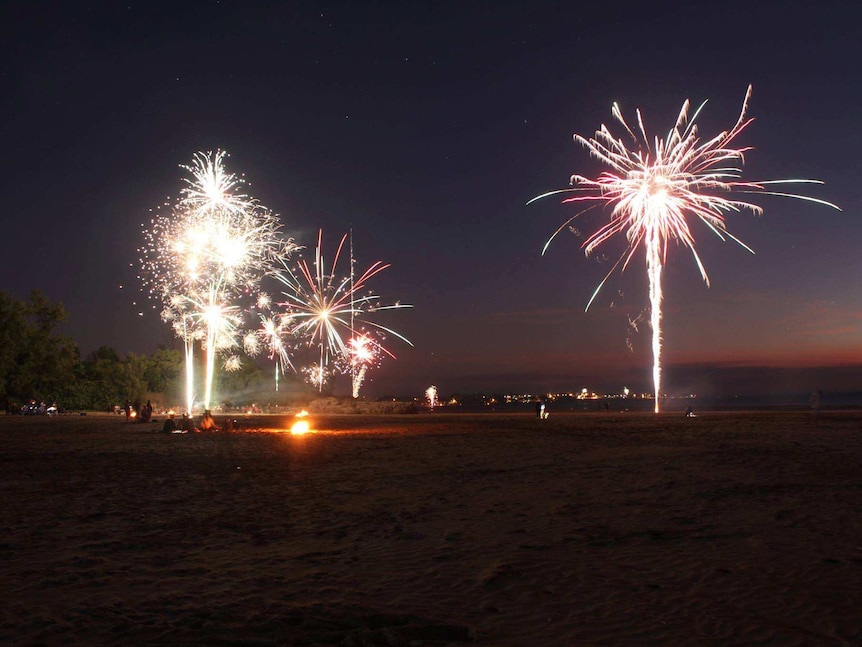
(33, 408)
(187, 425)
(143, 413)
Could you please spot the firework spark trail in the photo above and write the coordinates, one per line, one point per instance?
(184, 327)
(316, 374)
(363, 353)
(431, 395)
(271, 335)
(221, 323)
(325, 308)
(211, 187)
(652, 189)
(167, 276)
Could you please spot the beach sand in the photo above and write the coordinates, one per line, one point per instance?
(732, 528)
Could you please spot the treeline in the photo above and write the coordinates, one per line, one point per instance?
(38, 363)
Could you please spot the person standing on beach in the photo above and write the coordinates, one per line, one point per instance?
(146, 412)
(541, 410)
(815, 402)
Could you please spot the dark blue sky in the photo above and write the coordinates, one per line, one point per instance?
(426, 129)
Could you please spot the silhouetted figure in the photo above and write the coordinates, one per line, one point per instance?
(186, 424)
(170, 425)
(815, 402)
(146, 412)
(542, 411)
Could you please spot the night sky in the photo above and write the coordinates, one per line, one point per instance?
(426, 129)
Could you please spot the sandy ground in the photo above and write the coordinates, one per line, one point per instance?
(740, 528)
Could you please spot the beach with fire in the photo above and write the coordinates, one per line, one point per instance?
(597, 528)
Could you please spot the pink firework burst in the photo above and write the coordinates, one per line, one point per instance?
(654, 188)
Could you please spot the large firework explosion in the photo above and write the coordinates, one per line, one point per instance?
(652, 190)
(208, 252)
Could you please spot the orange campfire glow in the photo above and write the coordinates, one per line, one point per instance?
(301, 425)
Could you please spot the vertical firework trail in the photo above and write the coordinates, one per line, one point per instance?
(363, 352)
(653, 187)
